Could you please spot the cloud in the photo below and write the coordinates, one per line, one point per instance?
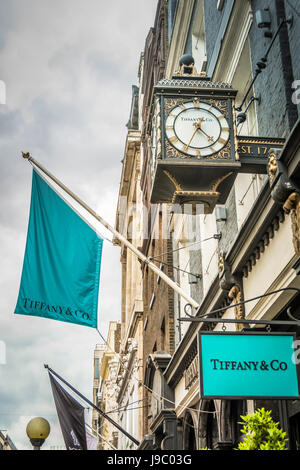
(10, 123)
(68, 67)
(6, 21)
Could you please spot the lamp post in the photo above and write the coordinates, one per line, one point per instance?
(38, 429)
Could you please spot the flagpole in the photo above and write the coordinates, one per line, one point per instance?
(135, 441)
(120, 237)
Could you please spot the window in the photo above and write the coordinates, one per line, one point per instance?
(162, 335)
(195, 44)
(172, 6)
(247, 186)
(97, 368)
(152, 301)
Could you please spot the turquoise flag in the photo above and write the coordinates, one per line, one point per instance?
(61, 270)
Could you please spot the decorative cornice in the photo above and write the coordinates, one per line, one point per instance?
(135, 316)
(156, 361)
(191, 83)
(127, 366)
(263, 242)
(237, 255)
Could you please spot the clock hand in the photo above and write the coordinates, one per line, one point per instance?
(196, 128)
(210, 138)
(192, 137)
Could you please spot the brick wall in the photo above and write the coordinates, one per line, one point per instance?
(274, 83)
(162, 310)
(292, 7)
(159, 333)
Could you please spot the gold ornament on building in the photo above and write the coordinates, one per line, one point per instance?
(221, 263)
(174, 181)
(272, 166)
(236, 296)
(187, 67)
(196, 103)
(292, 206)
(217, 183)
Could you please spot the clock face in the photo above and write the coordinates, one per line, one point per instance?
(197, 129)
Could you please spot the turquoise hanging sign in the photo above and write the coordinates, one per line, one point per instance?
(247, 366)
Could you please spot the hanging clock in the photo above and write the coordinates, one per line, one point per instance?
(193, 157)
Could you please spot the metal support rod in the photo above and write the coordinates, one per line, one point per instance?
(264, 60)
(200, 318)
(253, 298)
(104, 415)
(120, 237)
(198, 276)
(244, 321)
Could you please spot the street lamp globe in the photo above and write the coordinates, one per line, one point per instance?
(38, 429)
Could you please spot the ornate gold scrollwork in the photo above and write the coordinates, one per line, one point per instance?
(189, 70)
(236, 296)
(217, 183)
(171, 103)
(292, 206)
(174, 181)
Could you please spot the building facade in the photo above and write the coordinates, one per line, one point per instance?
(6, 442)
(106, 361)
(242, 243)
(98, 354)
(129, 223)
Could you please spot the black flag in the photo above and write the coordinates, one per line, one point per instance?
(71, 417)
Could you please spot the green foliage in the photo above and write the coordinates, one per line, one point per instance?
(261, 432)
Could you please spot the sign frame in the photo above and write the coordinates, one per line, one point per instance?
(253, 152)
(243, 397)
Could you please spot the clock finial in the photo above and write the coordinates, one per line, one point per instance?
(187, 67)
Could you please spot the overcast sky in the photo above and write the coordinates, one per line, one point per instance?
(68, 66)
